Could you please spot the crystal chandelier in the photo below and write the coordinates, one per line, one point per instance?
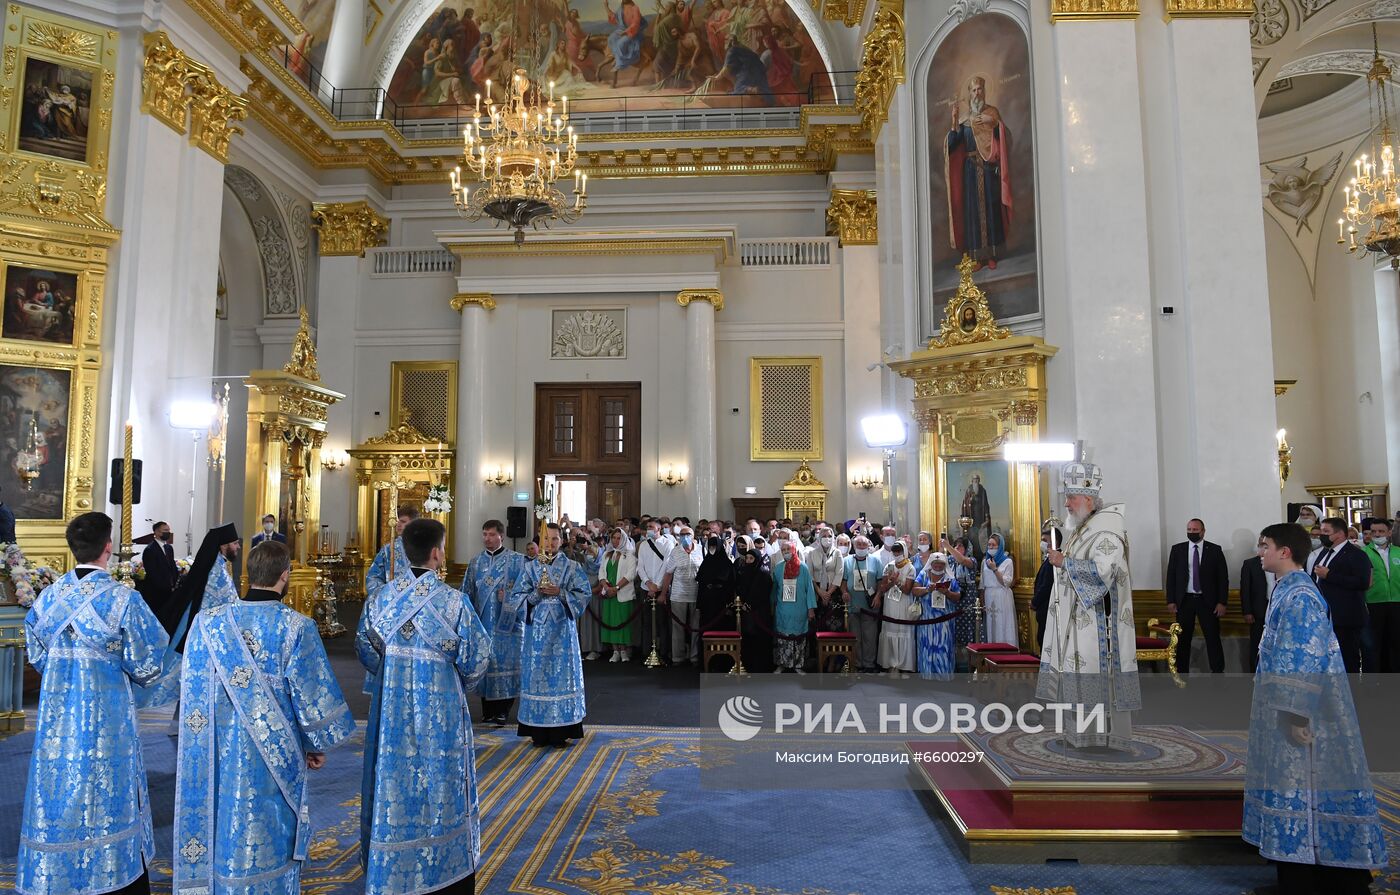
(518, 152)
(1372, 204)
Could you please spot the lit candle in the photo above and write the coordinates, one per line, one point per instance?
(1340, 232)
(585, 184)
(551, 91)
(478, 103)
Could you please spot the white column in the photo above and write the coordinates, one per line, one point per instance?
(1388, 333)
(469, 512)
(166, 196)
(1106, 302)
(703, 477)
(860, 292)
(339, 281)
(1215, 353)
(345, 46)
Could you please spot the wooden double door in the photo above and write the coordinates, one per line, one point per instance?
(588, 435)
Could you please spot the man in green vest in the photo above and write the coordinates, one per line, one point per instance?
(1383, 598)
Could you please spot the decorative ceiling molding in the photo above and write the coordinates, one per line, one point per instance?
(1376, 11)
(1258, 65)
(1268, 24)
(1311, 8)
(1346, 62)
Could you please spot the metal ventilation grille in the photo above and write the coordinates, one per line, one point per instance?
(786, 412)
(427, 392)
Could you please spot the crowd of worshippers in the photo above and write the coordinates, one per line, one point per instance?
(660, 582)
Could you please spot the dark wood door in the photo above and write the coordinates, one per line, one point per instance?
(592, 430)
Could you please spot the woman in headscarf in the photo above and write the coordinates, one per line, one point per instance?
(827, 566)
(998, 575)
(794, 608)
(754, 587)
(715, 581)
(937, 591)
(1308, 516)
(962, 559)
(615, 575)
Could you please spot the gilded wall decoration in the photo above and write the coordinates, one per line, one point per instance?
(185, 95)
(967, 318)
(1185, 9)
(1089, 10)
(589, 334)
(55, 119)
(881, 66)
(852, 216)
(981, 196)
(348, 228)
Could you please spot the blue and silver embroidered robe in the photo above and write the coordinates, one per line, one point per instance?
(488, 583)
(1089, 656)
(934, 642)
(257, 694)
(378, 573)
(551, 682)
(219, 590)
(424, 647)
(87, 816)
(1307, 804)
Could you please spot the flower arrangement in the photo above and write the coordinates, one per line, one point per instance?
(439, 500)
(128, 572)
(28, 580)
(543, 508)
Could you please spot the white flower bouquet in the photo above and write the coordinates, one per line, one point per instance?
(439, 500)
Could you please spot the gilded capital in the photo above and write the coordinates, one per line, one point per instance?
(187, 97)
(348, 228)
(1092, 10)
(881, 66)
(851, 217)
(713, 296)
(462, 299)
(848, 12)
(1199, 9)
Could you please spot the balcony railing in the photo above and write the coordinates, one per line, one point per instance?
(411, 262)
(758, 254)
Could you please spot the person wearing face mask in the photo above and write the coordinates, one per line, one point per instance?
(618, 568)
(754, 587)
(269, 532)
(936, 590)
(827, 566)
(1256, 586)
(1309, 516)
(651, 562)
(679, 591)
(998, 575)
(1198, 584)
(883, 550)
(1315, 538)
(794, 608)
(1044, 583)
(162, 574)
(1383, 598)
(1343, 574)
(897, 640)
(860, 591)
(715, 581)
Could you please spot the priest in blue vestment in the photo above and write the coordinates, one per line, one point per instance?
(550, 595)
(425, 648)
(390, 561)
(489, 580)
(207, 585)
(1308, 801)
(87, 816)
(259, 707)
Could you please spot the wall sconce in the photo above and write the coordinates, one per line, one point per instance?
(501, 478)
(1285, 457)
(866, 481)
(671, 479)
(333, 460)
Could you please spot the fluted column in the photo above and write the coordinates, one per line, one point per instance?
(469, 513)
(701, 305)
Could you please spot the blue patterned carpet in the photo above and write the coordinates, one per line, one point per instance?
(623, 812)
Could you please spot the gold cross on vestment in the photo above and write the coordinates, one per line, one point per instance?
(394, 485)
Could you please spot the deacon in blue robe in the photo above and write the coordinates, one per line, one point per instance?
(425, 648)
(1308, 802)
(378, 574)
(87, 816)
(551, 681)
(937, 590)
(490, 579)
(259, 706)
(207, 585)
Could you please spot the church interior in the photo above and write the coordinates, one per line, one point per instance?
(918, 271)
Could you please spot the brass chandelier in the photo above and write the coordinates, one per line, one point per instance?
(1371, 221)
(518, 152)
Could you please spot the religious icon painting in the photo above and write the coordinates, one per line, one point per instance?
(981, 199)
(40, 304)
(978, 491)
(34, 404)
(967, 317)
(55, 109)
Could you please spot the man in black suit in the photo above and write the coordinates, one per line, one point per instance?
(1198, 584)
(1343, 574)
(269, 532)
(1255, 587)
(1044, 584)
(158, 559)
